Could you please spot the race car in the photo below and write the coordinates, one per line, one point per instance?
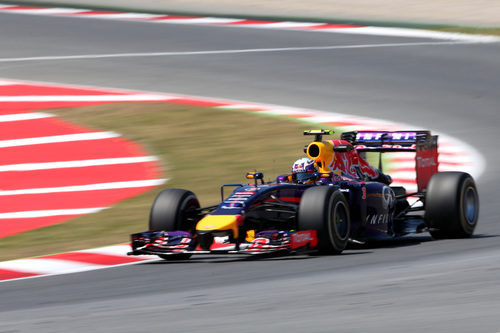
(343, 200)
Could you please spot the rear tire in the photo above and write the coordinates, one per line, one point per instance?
(170, 212)
(326, 210)
(451, 205)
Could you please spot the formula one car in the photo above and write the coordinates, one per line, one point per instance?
(343, 200)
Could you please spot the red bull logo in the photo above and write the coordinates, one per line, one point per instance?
(352, 165)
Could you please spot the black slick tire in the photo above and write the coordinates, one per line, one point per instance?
(451, 205)
(326, 210)
(170, 212)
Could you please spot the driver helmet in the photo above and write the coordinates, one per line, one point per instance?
(303, 170)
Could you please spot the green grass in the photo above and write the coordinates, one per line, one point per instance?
(199, 148)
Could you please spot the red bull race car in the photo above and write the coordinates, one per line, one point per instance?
(332, 198)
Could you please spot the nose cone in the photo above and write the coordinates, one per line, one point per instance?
(220, 223)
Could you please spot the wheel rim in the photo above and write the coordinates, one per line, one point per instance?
(340, 220)
(187, 208)
(470, 205)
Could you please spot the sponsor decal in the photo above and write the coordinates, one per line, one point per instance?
(237, 199)
(303, 238)
(378, 219)
(259, 241)
(397, 147)
(386, 136)
(426, 162)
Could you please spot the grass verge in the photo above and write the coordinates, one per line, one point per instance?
(200, 149)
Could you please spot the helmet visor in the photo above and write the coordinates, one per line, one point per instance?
(303, 177)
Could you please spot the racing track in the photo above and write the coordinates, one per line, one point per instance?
(414, 285)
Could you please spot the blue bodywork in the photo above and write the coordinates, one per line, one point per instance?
(372, 206)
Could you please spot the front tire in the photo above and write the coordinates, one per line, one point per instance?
(172, 211)
(451, 205)
(326, 210)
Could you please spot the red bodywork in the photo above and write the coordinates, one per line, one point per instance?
(426, 162)
(351, 164)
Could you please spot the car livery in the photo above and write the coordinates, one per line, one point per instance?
(348, 201)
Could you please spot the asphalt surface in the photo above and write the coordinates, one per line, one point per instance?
(412, 285)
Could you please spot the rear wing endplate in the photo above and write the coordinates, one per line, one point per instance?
(422, 142)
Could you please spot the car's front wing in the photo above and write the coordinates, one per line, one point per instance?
(271, 241)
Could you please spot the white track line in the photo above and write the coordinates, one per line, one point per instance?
(7, 83)
(58, 139)
(52, 212)
(112, 250)
(292, 25)
(49, 11)
(125, 16)
(83, 98)
(76, 163)
(404, 175)
(48, 266)
(200, 20)
(214, 52)
(88, 187)
(24, 116)
(414, 33)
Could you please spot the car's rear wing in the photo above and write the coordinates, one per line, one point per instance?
(422, 142)
(386, 141)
